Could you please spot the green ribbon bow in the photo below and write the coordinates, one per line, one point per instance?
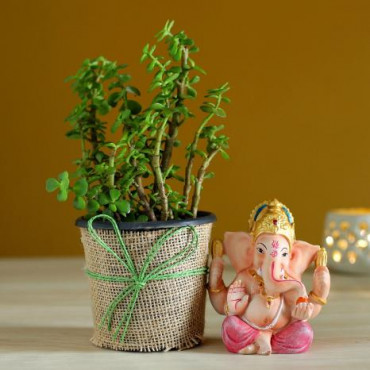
(138, 279)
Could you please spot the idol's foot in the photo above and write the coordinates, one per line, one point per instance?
(249, 350)
(264, 349)
(263, 343)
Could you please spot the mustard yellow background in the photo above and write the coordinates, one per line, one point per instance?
(299, 119)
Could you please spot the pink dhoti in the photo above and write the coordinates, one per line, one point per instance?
(294, 338)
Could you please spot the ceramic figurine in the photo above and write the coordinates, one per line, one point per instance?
(267, 306)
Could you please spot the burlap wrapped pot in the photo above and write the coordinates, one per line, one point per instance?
(168, 314)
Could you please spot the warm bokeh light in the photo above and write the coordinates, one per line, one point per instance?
(352, 257)
(342, 244)
(337, 256)
(361, 243)
(329, 241)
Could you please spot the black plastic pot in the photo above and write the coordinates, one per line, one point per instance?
(203, 218)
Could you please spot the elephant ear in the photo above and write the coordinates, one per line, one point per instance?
(238, 247)
(302, 255)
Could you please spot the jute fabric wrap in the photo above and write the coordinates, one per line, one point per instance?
(168, 314)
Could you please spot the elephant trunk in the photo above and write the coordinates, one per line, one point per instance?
(274, 283)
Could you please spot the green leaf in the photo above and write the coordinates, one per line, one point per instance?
(194, 49)
(224, 155)
(124, 114)
(209, 175)
(195, 80)
(142, 218)
(133, 90)
(73, 134)
(114, 98)
(225, 99)
(129, 218)
(62, 196)
(134, 106)
(64, 180)
(123, 206)
(79, 203)
(104, 108)
(121, 117)
(80, 187)
(207, 109)
(93, 192)
(52, 184)
(99, 156)
(157, 106)
(201, 70)
(114, 194)
(113, 207)
(92, 206)
(111, 145)
(151, 66)
(117, 123)
(123, 78)
(103, 199)
(220, 112)
(201, 153)
(146, 48)
(177, 56)
(175, 69)
(191, 92)
(143, 57)
(108, 212)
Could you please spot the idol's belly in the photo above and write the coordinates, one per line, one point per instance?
(259, 314)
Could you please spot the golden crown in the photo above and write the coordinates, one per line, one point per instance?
(272, 217)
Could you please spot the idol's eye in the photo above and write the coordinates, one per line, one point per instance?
(285, 254)
(261, 248)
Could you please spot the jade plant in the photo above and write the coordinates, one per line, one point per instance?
(126, 168)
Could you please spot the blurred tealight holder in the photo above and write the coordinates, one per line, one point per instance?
(347, 239)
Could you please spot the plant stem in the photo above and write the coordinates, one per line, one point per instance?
(83, 145)
(189, 165)
(143, 198)
(175, 122)
(93, 134)
(168, 147)
(111, 165)
(194, 144)
(155, 162)
(199, 181)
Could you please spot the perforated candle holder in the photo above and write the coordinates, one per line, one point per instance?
(347, 239)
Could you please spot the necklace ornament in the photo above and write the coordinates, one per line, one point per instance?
(261, 285)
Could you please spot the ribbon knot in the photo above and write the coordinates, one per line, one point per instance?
(140, 284)
(136, 281)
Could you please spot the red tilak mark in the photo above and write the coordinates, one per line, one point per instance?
(275, 244)
(274, 222)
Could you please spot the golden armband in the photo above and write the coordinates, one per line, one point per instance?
(217, 249)
(317, 299)
(321, 258)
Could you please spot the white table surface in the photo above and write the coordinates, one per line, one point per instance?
(46, 323)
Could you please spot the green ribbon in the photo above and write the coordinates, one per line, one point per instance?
(138, 279)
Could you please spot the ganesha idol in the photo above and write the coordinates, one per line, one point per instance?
(267, 307)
